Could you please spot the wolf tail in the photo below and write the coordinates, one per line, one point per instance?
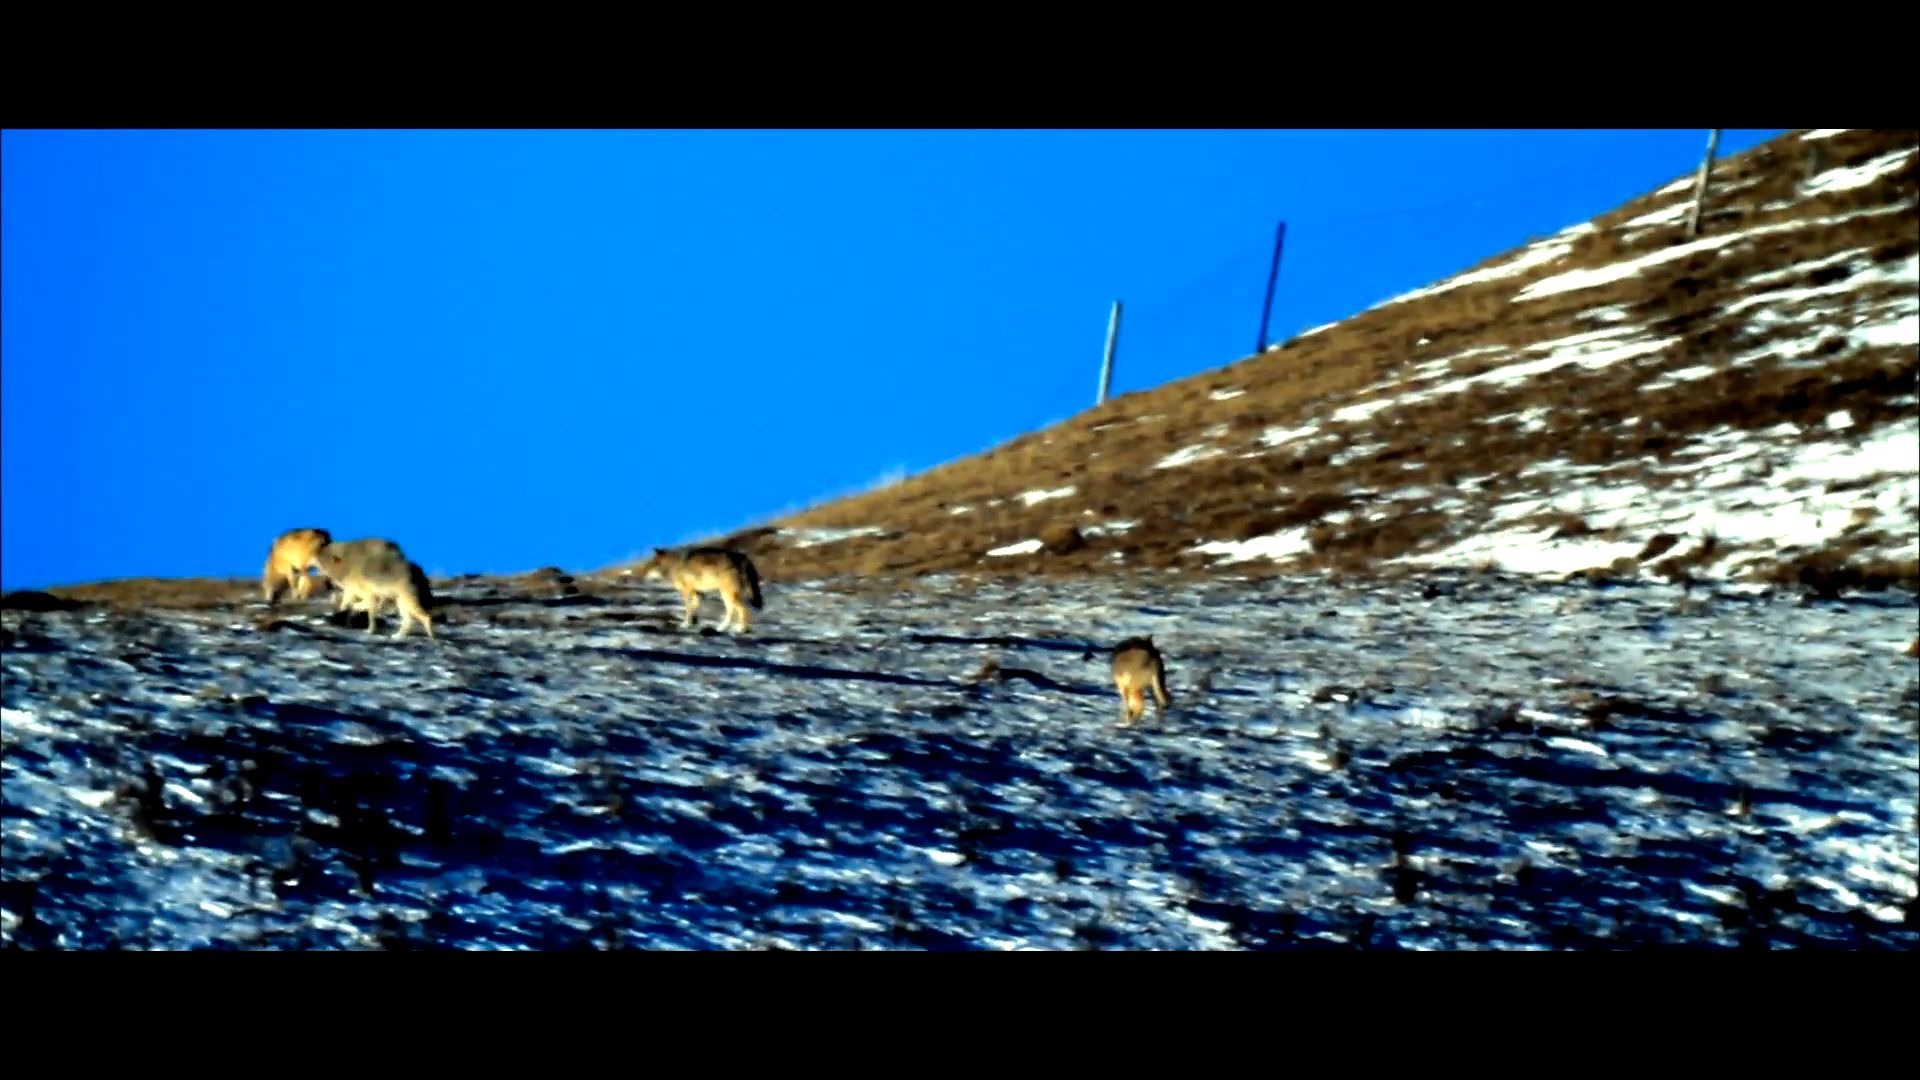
(753, 582)
(421, 586)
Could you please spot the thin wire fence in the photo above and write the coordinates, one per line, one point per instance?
(1212, 317)
(1333, 267)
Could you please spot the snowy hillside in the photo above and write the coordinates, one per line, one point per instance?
(1481, 763)
(1617, 398)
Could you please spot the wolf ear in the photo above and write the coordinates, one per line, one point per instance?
(659, 551)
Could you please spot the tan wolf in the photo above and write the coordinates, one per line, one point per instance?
(1138, 668)
(287, 561)
(371, 571)
(696, 570)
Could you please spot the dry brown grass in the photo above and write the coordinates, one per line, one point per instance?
(1826, 575)
(182, 593)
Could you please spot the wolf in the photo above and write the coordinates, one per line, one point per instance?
(350, 550)
(422, 585)
(1138, 667)
(287, 561)
(696, 570)
(373, 570)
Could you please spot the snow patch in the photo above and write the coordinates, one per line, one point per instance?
(1540, 254)
(1680, 376)
(1353, 414)
(1188, 455)
(15, 722)
(1907, 271)
(1593, 277)
(817, 537)
(1281, 545)
(1592, 351)
(1898, 331)
(1753, 512)
(1857, 176)
(1529, 551)
(1033, 497)
(1277, 436)
(1664, 216)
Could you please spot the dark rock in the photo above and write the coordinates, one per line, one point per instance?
(34, 600)
(1062, 539)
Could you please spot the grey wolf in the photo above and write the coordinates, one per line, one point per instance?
(699, 570)
(373, 570)
(356, 549)
(287, 561)
(422, 586)
(1139, 668)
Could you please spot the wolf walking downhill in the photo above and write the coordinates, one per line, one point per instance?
(1139, 668)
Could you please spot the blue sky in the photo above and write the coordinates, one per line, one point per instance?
(511, 349)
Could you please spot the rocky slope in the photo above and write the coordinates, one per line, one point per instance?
(1484, 762)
